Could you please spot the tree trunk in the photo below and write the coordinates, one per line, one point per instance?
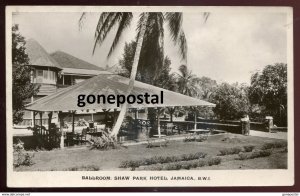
(121, 116)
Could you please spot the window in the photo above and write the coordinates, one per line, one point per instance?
(39, 76)
(45, 74)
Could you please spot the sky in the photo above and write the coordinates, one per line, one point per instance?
(228, 47)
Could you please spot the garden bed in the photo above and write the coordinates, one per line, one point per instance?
(70, 158)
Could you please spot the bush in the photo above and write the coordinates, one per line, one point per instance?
(254, 154)
(84, 168)
(20, 157)
(229, 151)
(248, 148)
(185, 164)
(105, 142)
(275, 144)
(214, 161)
(195, 138)
(161, 159)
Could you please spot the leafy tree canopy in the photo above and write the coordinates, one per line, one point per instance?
(231, 101)
(269, 90)
(145, 72)
(22, 86)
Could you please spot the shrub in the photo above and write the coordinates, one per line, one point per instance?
(20, 157)
(254, 154)
(105, 142)
(275, 144)
(229, 151)
(185, 164)
(84, 168)
(248, 148)
(214, 161)
(161, 159)
(195, 138)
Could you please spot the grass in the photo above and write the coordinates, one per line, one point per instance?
(110, 160)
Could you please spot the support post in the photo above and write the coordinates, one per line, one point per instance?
(158, 124)
(135, 114)
(34, 118)
(61, 123)
(73, 119)
(41, 122)
(269, 121)
(49, 120)
(115, 116)
(195, 121)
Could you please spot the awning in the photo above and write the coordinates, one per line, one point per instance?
(67, 99)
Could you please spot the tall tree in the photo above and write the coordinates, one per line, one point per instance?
(231, 101)
(22, 87)
(164, 78)
(188, 83)
(269, 90)
(150, 33)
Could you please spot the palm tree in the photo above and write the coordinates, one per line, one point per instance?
(150, 34)
(188, 83)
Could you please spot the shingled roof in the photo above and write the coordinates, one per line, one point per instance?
(38, 56)
(68, 61)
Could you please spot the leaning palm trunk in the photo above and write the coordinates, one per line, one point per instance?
(140, 38)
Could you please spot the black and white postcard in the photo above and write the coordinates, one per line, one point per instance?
(145, 96)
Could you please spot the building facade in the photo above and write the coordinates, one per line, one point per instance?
(51, 72)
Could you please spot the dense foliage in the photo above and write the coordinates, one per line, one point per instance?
(22, 87)
(269, 91)
(231, 101)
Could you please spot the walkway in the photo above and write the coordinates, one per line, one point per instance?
(278, 135)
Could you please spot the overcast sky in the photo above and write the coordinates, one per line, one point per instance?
(229, 47)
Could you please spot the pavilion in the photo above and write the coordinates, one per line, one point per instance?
(65, 100)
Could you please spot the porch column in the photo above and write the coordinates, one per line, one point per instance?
(32, 113)
(136, 114)
(49, 119)
(158, 123)
(115, 116)
(61, 123)
(73, 119)
(41, 122)
(195, 121)
(33, 120)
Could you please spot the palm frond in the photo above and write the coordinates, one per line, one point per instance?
(174, 20)
(111, 20)
(205, 16)
(183, 46)
(140, 23)
(81, 19)
(124, 23)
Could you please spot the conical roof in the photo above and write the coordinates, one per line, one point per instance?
(67, 99)
(38, 56)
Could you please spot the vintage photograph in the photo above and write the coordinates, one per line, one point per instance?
(98, 92)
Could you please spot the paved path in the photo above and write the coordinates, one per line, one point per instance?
(278, 135)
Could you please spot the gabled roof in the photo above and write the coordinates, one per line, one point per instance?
(38, 56)
(66, 60)
(107, 84)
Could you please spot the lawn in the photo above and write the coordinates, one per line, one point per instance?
(84, 158)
